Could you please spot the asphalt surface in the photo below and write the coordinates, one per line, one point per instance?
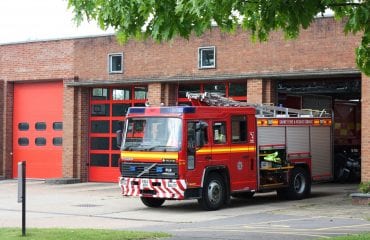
(328, 212)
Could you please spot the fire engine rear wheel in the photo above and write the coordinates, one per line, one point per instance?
(299, 185)
(152, 202)
(213, 194)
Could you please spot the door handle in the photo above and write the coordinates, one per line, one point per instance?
(208, 157)
(245, 156)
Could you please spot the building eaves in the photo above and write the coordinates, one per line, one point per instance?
(307, 74)
(58, 39)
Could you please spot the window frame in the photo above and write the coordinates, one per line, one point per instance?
(110, 56)
(219, 125)
(200, 54)
(237, 118)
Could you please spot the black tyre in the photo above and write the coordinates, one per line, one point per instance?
(243, 195)
(152, 202)
(299, 185)
(213, 194)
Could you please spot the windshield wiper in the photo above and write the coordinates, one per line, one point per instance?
(157, 146)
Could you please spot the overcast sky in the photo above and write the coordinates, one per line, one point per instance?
(28, 20)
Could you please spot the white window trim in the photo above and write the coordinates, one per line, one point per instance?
(110, 55)
(199, 57)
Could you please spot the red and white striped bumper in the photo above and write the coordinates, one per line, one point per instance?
(157, 188)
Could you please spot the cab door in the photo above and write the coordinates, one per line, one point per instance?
(220, 143)
(242, 154)
(197, 158)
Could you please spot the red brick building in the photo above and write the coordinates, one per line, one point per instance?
(61, 99)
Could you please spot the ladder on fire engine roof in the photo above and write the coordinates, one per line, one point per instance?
(215, 99)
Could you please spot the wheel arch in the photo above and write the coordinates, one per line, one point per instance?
(306, 167)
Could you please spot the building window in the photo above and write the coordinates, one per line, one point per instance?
(23, 141)
(23, 126)
(237, 89)
(100, 126)
(100, 110)
(207, 57)
(122, 94)
(40, 141)
(57, 141)
(40, 126)
(219, 88)
(58, 126)
(141, 93)
(115, 63)
(100, 94)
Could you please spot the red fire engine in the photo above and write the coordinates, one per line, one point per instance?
(222, 148)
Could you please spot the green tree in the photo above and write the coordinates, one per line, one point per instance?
(162, 20)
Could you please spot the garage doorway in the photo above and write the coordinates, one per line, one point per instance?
(38, 128)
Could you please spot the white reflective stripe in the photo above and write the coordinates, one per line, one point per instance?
(162, 191)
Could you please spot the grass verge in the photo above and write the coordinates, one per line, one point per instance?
(76, 234)
(363, 236)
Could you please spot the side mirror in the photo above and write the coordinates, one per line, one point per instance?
(199, 134)
(119, 138)
(119, 132)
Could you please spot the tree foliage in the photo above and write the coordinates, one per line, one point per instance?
(162, 20)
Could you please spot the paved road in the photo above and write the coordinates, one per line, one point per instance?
(327, 213)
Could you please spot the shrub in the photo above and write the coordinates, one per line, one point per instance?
(365, 187)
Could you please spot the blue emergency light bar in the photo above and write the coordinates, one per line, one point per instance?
(185, 109)
(136, 110)
(163, 110)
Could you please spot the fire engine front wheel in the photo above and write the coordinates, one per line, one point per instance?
(213, 194)
(152, 202)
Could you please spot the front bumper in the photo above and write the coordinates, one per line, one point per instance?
(151, 187)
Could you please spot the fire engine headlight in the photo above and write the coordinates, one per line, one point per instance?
(172, 184)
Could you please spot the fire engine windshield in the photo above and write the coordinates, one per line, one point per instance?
(152, 134)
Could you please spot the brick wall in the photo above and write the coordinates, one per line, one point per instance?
(254, 90)
(365, 128)
(2, 107)
(169, 95)
(37, 60)
(82, 140)
(7, 147)
(75, 132)
(155, 94)
(323, 46)
(269, 91)
(70, 117)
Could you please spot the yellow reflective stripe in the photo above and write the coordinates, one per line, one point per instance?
(243, 149)
(174, 155)
(220, 150)
(204, 151)
(226, 150)
(149, 155)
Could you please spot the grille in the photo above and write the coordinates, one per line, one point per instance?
(143, 170)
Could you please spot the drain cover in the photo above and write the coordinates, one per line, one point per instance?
(87, 205)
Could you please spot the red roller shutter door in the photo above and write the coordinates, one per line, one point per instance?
(38, 128)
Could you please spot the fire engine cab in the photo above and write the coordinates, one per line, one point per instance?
(220, 148)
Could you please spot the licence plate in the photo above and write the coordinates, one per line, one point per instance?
(145, 183)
